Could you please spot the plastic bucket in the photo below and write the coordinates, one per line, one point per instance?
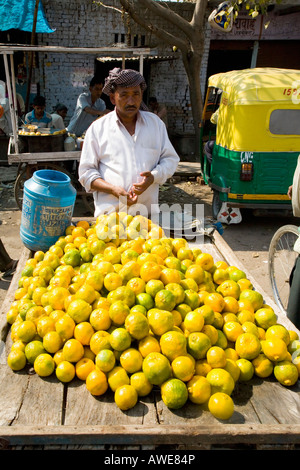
(48, 204)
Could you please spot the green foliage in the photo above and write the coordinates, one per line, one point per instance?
(254, 7)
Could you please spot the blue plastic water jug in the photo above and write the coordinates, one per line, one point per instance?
(48, 204)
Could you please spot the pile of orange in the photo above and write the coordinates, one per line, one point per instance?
(123, 308)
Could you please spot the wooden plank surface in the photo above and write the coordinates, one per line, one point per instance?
(150, 435)
(36, 411)
(39, 157)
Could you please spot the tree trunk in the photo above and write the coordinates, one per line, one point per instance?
(192, 65)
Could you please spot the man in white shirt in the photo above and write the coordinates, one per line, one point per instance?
(126, 154)
(89, 107)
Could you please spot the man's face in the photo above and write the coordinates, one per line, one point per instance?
(39, 111)
(62, 113)
(96, 90)
(127, 100)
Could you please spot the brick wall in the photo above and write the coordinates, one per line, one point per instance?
(80, 23)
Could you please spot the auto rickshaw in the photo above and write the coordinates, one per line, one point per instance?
(250, 138)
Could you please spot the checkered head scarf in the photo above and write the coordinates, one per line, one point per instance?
(124, 78)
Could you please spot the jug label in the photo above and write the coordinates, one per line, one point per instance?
(44, 220)
(52, 218)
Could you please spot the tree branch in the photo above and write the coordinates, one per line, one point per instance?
(107, 6)
(160, 33)
(199, 14)
(169, 15)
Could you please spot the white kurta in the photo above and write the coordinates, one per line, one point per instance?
(111, 153)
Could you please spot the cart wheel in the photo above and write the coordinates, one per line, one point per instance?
(216, 204)
(88, 200)
(281, 261)
(26, 173)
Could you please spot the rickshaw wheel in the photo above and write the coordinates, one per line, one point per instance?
(281, 261)
(216, 204)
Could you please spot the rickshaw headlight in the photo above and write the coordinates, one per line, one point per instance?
(246, 173)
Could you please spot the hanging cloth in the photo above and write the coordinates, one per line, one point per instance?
(18, 14)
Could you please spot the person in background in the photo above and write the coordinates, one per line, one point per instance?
(159, 109)
(126, 154)
(20, 107)
(58, 116)
(7, 264)
(5, 119)
(89, 107)
(38, 116)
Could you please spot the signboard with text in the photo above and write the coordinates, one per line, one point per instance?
(280, 27)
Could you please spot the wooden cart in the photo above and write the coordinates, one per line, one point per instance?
(46, 414)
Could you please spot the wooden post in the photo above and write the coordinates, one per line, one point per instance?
(31, 54)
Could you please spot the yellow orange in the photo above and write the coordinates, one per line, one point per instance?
(52, 342)
(73, 350)
(183, 367)
(44, 365)
(126, 397)
(221, 405)
(100, 340)
(148, 344)
(79, 310)
(83, 367)
(199, 389)
(205, 260)
(83, 332)
(216, 357)
(215, 301)
(100, 319)
(96, 382)
(170, 275)
(57, 297)
(65, 371)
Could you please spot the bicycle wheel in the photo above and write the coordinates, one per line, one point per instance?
(87, 198)
(281, 261)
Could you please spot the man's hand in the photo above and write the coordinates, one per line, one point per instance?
(289, 193)
(139, 188)
(120, 192)
(103, 186)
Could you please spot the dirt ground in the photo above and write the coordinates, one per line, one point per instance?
(249, 240)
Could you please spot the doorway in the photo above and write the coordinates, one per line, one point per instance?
(229, 55)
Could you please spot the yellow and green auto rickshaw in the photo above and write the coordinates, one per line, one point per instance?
(250, 138)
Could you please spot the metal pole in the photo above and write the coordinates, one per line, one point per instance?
(11, 106)
(141, 64)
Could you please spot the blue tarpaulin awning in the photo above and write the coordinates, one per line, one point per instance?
(18, 14)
